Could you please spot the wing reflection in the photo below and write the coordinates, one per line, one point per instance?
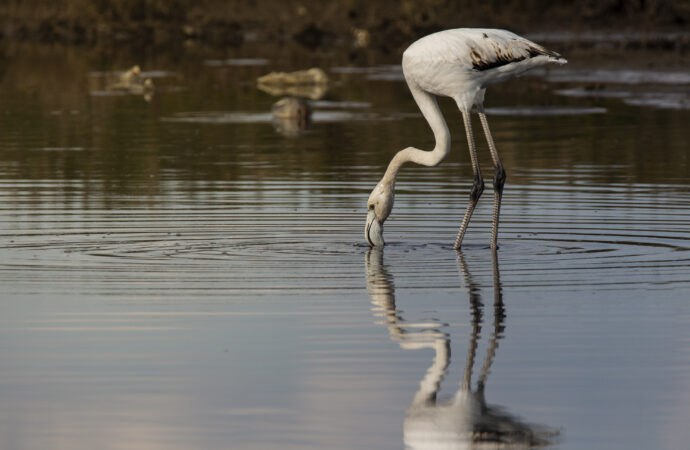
(465, 420)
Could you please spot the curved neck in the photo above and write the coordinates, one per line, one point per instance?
(429, 106)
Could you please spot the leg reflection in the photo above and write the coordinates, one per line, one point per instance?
(465, 419)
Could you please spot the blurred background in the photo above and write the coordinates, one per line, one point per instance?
(390, 23)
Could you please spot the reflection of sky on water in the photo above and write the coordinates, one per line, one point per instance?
(212, 332)
(544, 111)
(620, 76)
(666, 100)
(230, 117)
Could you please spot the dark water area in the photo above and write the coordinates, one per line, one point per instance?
(180, 269)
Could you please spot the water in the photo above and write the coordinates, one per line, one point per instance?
(178, 273)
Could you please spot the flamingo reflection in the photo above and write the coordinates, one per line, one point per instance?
(465, 420)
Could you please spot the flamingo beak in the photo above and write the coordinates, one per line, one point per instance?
(374, 230)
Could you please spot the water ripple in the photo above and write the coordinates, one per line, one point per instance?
(573, 236)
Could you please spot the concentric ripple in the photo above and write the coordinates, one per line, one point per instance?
(551, 235)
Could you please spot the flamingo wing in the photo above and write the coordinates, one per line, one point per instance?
(495, 48)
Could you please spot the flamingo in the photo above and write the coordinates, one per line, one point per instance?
(460, 64)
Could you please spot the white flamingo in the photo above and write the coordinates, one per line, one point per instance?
(459, 64)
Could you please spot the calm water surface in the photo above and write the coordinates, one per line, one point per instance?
(185, 272)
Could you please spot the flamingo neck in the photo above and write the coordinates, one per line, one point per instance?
(429, 107)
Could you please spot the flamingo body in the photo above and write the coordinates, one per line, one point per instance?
(460, 64)
(463, 61)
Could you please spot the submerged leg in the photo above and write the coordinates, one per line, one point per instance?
(477, 186)
(499, 179)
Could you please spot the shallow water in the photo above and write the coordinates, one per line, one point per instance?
(184, 271)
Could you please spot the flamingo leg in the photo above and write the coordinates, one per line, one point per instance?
(499, 179)
(477, 186)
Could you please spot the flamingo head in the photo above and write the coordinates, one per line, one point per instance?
(379, 207)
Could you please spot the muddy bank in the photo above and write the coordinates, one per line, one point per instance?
(385, 24)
